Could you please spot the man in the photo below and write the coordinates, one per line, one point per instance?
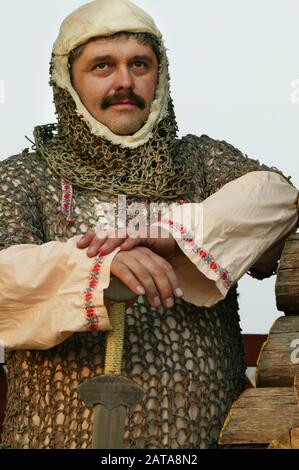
(116, 135)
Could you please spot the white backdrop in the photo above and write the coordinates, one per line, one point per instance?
(235, 76)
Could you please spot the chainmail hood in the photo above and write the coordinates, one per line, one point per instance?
(105, 18)
(83, 151)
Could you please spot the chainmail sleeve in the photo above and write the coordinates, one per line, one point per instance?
(20, 220)
(224, 163)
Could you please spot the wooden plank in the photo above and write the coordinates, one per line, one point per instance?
(278, 362)
(296, 388)
(291, 245)
(265, 397)
(282, 342)
(259, 426)
(289, 260)
(285, 325)
(275, 369)
(287, 288)
(287, 277)
(289, 440)
(258, 418)
(293, 236)
(295, 438)
(287, 281)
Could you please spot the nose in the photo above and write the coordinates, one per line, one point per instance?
(123, 78)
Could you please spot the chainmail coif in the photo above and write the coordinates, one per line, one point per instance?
(153, 170)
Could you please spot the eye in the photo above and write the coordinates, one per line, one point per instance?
(139, 64)
(101, 66)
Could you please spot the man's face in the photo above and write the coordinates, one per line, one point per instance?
(116, 79)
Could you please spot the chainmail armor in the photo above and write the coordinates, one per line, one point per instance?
(189, 360)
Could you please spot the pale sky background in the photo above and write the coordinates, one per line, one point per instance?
(235, 76)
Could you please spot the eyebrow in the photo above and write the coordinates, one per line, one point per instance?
(105, 58)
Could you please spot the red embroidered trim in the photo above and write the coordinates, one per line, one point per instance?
(181, 201)
(66, 202)
(91, 317)
(203, 254)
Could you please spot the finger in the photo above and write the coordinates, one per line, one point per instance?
(95, 246)
(85, 239)
(123, 272)
(172, 278)
(130, 243)
(136, 265)
(110, 245)
(169, 275)
(163, 276)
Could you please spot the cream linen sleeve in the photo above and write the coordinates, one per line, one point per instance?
(243, 224)
(50, 291)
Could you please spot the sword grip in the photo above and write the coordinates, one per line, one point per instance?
(115, 339)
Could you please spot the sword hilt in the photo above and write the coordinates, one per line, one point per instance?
(115, 339)
(118, 294)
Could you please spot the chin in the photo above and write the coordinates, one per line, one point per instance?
(125, 129)
(124, 123)
(124, 126)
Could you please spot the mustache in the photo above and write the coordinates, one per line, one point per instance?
(123, 96)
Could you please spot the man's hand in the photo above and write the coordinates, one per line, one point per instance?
(98, 245)
(163, 246)
(147, 273)
(141, 265)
